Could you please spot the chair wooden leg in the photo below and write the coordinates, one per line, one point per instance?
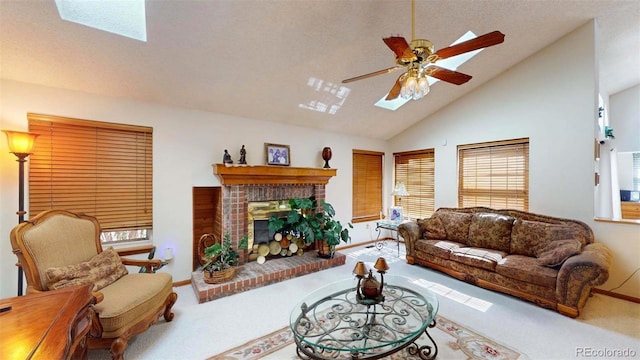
(168, 315)
(118, 346)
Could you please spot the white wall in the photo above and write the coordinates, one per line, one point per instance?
(551, 98)
(624, 115)
(186, 144)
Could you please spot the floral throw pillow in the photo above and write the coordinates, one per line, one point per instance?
(101, 271)
(432, 228)
(556, 252)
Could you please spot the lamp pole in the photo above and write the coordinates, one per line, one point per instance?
(20, 144)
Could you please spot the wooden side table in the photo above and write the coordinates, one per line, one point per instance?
(48, 325)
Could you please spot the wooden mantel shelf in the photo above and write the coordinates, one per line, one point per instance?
(271, 175)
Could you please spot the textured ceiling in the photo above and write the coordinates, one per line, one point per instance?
(256, 59)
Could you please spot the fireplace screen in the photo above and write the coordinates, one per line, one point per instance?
(259, 213)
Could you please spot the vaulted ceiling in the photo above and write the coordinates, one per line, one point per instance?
(283, 60)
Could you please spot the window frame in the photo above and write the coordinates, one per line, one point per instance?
(419, 180)
(371, 208)
(515, 175)
(97, 168)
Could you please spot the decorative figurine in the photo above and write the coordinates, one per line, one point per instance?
(326, 156)
(243, 156)
(227, 158)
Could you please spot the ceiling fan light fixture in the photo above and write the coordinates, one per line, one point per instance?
(415, 85)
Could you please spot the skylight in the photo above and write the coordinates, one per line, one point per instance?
(122, 17)
(451, 63)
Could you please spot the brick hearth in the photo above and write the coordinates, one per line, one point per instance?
(253, 275)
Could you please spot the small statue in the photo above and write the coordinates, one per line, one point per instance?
(227, 158)
(243, 156)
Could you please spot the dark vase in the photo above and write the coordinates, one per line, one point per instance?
(326, 156)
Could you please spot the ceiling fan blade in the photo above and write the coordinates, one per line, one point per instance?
(447, 75)
(376, 73)
(482, 41)
(395, 90)
(401, 48)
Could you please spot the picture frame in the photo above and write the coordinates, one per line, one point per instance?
(277, 154)
(395, 214)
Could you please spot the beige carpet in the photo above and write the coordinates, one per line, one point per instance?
(454, 342)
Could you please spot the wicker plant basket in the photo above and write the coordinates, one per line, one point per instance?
(219, 276)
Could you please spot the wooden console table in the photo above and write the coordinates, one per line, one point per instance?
(47, 325)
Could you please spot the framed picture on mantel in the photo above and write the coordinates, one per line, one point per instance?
(277, 154)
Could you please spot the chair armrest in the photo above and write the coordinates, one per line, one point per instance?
(150, 265)
(581, 272)
(98, 296)
(410, 232)
(135, 250)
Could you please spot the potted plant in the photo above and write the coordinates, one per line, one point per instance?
(221, 260)
(312, 223)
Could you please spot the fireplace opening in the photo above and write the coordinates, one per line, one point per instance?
(258, 233)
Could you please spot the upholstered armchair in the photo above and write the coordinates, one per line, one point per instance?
(58, 248)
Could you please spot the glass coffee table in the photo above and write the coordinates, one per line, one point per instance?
(330, 323)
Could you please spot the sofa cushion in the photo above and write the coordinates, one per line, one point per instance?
(478, 257)
(491, 231)
(432, 228)
(456, 225)
(439, 248)
(530, 237)
(101, 270)
(556, 252)
(527, 269)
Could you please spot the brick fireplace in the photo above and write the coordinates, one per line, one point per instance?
(244, 184)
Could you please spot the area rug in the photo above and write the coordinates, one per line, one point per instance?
(454, 341)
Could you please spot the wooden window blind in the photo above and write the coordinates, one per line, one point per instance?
(636, 171)
(367, 185)
(416, 169)
(494, 174)
(100, 169)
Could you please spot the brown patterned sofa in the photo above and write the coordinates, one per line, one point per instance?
(550, 261)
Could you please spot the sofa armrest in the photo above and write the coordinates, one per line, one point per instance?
(410, 232)
(580, 273)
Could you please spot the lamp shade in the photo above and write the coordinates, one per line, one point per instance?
(360, 269)
(20, 142)
(381, 265)
(400, 190)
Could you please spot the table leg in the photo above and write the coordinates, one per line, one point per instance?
(425, 352)
(379, 243)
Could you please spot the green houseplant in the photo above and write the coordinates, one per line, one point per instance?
(221, 260)
(313, 223)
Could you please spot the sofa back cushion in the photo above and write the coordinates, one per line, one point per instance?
(530, 237)
(456, 225)
(490, 231)
(432, 228)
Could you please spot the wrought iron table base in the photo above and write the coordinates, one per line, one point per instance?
(424, 352)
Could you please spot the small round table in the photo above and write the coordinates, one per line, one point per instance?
(330, 323)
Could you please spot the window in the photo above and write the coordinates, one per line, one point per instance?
(494, 174)
(416, 169)
(100, 169)
(367, 185)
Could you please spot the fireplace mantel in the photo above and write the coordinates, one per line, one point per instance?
(271, 175)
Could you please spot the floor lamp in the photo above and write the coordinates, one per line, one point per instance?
(20, 144)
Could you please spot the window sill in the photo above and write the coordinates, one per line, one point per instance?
(618, 221)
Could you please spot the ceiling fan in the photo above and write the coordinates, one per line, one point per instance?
(418, 58)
